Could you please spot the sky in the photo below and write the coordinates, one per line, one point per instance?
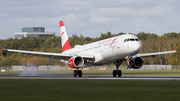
(90, 17)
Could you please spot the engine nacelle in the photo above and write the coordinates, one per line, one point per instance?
(76, 62)
(136, 62)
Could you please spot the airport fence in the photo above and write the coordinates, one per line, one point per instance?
(6, 68)
(175, 67)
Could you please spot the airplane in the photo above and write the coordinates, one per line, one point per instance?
(112, 50)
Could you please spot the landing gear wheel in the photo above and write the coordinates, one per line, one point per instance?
(119, 73)
(114, 73)
(80, 73)
(75, 73)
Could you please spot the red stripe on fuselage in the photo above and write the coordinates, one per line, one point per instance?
(66, 46)
(113, 41)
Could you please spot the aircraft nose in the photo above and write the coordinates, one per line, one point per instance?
(137, 46)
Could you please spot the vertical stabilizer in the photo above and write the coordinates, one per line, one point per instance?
(64, 38)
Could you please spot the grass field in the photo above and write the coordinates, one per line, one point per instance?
(88, 90)
(92, 90)
(109, 72)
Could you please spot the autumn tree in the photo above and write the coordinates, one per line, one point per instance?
(150, 43)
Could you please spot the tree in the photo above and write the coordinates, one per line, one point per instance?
(36, 61)
(12, 60)
(174, 58)
(150, 43)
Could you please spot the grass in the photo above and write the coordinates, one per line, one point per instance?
(92, 90)
(109, 72)
(88, 90)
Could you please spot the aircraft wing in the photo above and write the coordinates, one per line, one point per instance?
(49, 55)
(154, 54)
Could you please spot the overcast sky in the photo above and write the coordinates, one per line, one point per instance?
(90, 17)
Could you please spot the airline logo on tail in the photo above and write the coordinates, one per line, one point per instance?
(64, 38)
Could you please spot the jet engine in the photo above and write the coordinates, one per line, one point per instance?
(76, 62)
(136, 62)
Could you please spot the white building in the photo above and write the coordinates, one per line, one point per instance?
(33, 31)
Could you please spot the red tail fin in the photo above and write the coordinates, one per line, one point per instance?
(64, 38)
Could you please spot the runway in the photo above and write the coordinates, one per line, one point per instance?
(87, 77)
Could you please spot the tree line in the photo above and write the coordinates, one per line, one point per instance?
(150, 43)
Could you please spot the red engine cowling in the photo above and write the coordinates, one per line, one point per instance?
(76, 62)
(136, 62)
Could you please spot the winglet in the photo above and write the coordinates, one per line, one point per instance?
(1, 49)
(175, 50)
(64, 38)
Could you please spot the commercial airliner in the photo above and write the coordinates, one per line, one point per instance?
(112, 50)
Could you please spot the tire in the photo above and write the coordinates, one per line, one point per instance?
(114, 73)
(75, 73)
(80, 73)
(119, 73)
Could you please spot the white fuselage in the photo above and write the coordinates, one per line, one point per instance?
(109, 50)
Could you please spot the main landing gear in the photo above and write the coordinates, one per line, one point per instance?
(117, 72)
(77, 72)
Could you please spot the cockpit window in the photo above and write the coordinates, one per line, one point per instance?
(131, 39)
